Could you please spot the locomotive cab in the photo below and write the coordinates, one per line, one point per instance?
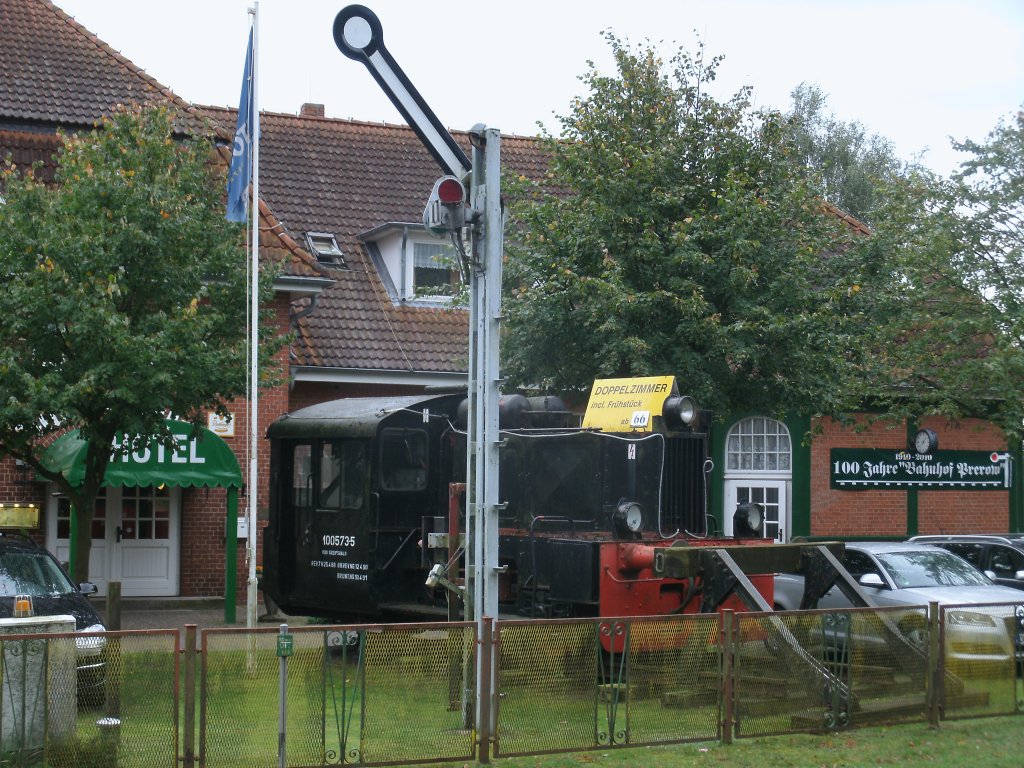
(350, 483)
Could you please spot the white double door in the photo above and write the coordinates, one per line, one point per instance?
(771, 494)
(135, 539)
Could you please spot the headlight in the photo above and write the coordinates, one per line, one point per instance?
(969, 619)
(628, 517)
(93, 642)
(748, 520)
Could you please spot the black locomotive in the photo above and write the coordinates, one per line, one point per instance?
(367, 513)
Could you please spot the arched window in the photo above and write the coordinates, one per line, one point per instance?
(758, 444)
(758, 466)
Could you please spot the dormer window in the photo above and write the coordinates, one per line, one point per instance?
(325, 247)
(415, 268)
(435, 268)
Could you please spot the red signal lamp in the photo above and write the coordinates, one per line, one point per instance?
(450, 191)
(445, 209)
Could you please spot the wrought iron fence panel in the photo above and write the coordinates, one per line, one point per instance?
(675, 682)
(238, 710)
(355, 695)
(888, 662)
(781, 682)
(547, 684)
(809, 671)
(419, 693)
(581, 684)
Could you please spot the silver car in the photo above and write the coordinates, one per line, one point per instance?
(914, 575)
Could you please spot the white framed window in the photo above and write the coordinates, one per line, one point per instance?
(434, 268)
(758, 444)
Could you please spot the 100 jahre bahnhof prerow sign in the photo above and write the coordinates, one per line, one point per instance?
(863, 468)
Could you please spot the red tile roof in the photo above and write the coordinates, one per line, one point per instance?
(25, 149)
(316, 175)
(53, 70)
(346, 178)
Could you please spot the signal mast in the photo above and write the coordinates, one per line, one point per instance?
(359, 35)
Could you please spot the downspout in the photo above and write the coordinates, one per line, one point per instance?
(313, 301)
(405, 261)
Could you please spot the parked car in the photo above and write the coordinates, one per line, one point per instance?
(913, 575)
(28, 569)
(999, 556)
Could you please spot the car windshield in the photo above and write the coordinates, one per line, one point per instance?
(31, 573)
(930, 569)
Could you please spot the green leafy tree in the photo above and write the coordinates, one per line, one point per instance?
(677, 234)
(125, 293)
(846, 162)
(949, 316)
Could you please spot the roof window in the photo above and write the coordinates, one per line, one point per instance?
(324, 246)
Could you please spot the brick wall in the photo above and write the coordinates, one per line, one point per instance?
(17, 487)
(204, 510)
(884, 512)
(965, 511)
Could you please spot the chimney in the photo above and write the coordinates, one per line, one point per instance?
(311, 110)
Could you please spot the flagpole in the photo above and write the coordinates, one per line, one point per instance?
(254, 326)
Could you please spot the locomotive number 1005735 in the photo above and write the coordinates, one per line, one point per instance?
(338, 540)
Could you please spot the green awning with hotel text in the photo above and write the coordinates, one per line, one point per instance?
(202, 459)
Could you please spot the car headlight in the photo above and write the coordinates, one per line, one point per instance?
(969, 619)
(92, 642)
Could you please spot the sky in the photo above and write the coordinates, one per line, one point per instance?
(914, 71)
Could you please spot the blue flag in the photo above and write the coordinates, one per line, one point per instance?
(241, 154)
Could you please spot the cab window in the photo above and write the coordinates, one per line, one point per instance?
(329, 475)
(342, 470)
(403, 460)
(858, 564)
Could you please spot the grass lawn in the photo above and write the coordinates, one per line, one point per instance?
(986, 743)
(398, 696)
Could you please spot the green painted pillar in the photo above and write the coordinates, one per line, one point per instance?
(1017, 491)
(912, 512)
(716, 491)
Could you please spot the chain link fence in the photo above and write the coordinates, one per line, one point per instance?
(89, 701)
(405, 693)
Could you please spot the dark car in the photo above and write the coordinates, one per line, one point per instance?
(1000, 556)
(28, 569)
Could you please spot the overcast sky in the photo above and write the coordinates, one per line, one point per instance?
(915, 71)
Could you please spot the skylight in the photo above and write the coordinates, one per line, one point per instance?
(325, 247)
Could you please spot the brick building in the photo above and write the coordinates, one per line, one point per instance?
(340, 211)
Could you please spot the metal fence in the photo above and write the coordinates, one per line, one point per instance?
(89, 701)
(393, 694)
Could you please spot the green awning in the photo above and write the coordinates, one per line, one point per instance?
(202, 461)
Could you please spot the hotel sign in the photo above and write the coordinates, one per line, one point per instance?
(855, 469)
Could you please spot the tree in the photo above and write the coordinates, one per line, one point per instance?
(676, 233)
(950, 324)
(125, 291)
(845, 161)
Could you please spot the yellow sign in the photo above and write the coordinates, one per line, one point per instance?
(19, 516)
(627, 405)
